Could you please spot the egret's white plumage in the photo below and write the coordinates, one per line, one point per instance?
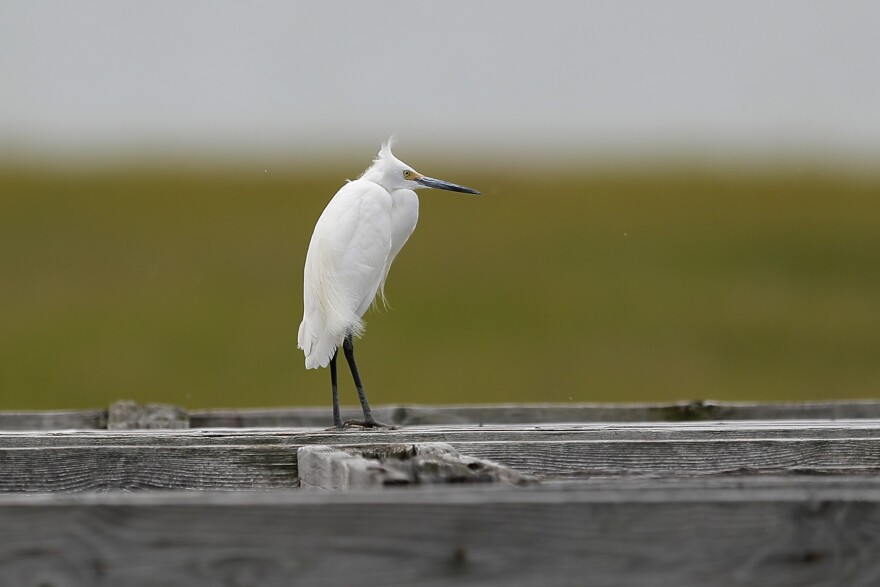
(356, 239)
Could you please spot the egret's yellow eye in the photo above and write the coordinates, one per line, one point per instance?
(407, 173)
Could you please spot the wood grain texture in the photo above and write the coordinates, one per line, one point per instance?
(105, 468)
(732, 430)
(382, 465)
(129, 415)
(680, 534)
(258, 459)
(470, 414)
(674, 457)
(634, 412)
(544, 413)
(54, 420)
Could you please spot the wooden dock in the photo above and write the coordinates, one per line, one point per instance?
(687, 494)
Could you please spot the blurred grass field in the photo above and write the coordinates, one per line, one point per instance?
(184, 286)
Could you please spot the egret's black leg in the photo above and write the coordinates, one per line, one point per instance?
(337, 419)
(348, 348)
(369, 421)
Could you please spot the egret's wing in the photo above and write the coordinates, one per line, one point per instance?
(344, 267)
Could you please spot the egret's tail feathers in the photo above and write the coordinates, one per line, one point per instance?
(319, 343)
(317, 349)
(330, 312)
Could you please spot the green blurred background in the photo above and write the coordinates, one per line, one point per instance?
(184, 285)
(681, 199)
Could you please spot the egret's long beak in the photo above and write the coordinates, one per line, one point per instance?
(430, 182)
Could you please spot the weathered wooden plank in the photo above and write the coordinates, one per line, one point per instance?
(53, 420)
(382, 465)
(267, 466)
(79, 461)
(105, 468)
(659, 536)
(728, 430)
(544, 413)
(682, 457)
(471, 414)
(129, 415)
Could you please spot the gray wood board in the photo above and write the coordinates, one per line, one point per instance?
(129, 415)
(382, 465)
(697, 431)
(53, 420)
(728, 532)
(467, 414)
(105, 468)
(543, 413)
(259, 459)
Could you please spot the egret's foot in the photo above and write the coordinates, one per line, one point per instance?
(349, 424)
(335, 428)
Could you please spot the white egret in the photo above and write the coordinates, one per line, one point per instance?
(355, 241)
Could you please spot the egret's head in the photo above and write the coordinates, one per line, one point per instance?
(393, 174)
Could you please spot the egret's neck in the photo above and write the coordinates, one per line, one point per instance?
(404, 198)
(404, 216)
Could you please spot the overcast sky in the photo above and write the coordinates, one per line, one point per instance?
(523, 76)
